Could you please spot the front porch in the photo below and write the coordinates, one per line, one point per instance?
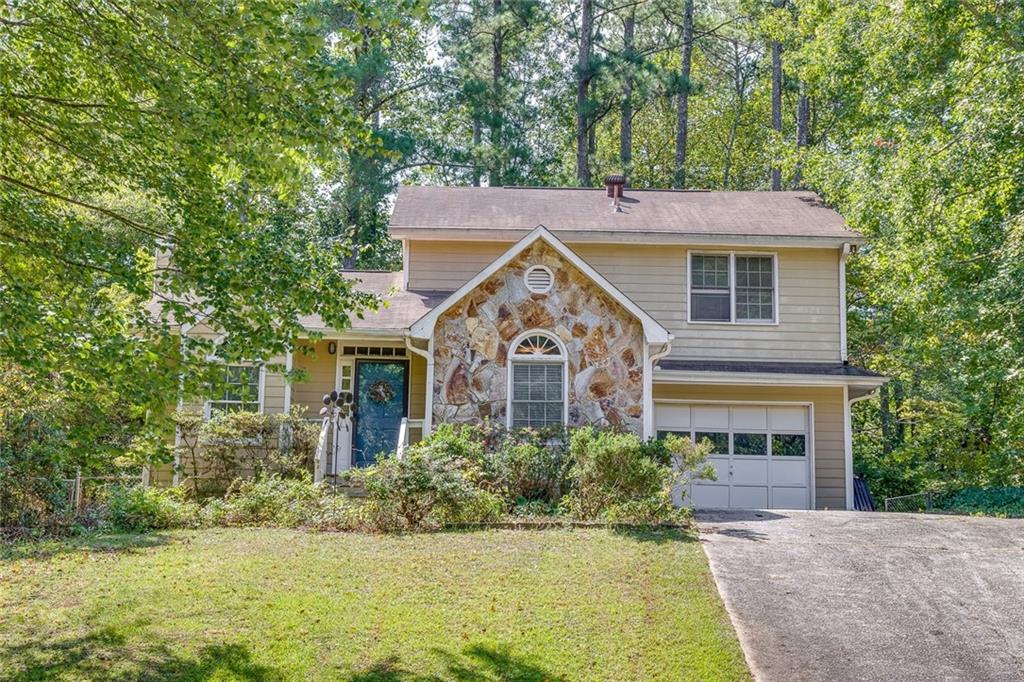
(387, 386)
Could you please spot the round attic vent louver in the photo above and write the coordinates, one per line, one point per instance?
(539, 279)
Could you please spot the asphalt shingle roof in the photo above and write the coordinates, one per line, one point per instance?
(402, 307)
(760, 214)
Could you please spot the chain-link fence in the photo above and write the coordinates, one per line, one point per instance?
(36, 502)
(918, 502)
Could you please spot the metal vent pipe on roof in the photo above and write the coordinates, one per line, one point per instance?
(614, 185)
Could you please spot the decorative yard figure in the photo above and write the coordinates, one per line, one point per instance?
(337, 419)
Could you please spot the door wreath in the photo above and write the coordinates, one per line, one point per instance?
(381, 392)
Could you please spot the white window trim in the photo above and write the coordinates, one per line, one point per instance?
(563, 358)
(261, 390)
(733, 322)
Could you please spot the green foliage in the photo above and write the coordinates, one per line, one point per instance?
(1003, 502)
(49, 430)
(137, 509)
(421, 490)
(214, 452)
(533, 466)
(615, 478)
(927, 162)
(132, 127)
(276, 501)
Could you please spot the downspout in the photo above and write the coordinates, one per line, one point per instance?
(848, 439)
(649, 361)
(428, 355)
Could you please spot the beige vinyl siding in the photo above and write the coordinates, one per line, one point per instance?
(319, 368)
(829, 438)
(274, 388)
(447, 265)
(655, 278)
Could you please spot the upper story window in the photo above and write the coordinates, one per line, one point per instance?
(537, 387)
(733, 287)
(241, 391)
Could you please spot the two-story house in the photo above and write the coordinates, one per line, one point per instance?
(718, 315)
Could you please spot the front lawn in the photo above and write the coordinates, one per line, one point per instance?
(246, 604)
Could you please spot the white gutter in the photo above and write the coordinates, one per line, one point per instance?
(331, 334)
(649, 360)
(843, 255)
(622, 237)
(769, 378)
(428, 355)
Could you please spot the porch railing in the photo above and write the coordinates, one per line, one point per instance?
(320, 460)
(403, 438)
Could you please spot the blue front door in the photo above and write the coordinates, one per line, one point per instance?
(381, 395)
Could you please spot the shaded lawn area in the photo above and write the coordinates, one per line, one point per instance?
(268, 604)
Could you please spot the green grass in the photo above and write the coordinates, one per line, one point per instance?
(244, 604)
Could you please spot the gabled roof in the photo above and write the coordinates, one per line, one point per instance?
(401, 307)
(652, 215)
(654, 332)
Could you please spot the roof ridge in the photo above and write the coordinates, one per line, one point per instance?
(599, 189)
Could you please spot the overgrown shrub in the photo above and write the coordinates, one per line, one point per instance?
(283, 502)
(214, 452)
(137, 509)
(429, 486)
(533, 465)
(1003, 502)
(617, 477)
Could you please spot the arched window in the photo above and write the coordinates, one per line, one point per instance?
(537, 381)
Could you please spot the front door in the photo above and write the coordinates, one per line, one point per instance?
(381, 394)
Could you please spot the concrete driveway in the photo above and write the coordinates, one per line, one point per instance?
(871, 596)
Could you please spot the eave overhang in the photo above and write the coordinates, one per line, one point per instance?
(627, 237)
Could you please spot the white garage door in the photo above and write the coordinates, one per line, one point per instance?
(761, 454)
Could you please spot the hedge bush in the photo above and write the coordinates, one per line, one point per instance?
(137, 509)
(459, 475)
(1004, 502)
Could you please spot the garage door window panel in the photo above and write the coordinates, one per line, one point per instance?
(750, 444)
(789, 445)
(719, 441)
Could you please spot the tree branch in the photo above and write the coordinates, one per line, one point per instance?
(98, 209)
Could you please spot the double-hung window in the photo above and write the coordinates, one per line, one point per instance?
(241, 391)
(732, 287)
(537, 383)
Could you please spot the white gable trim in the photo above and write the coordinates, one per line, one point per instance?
(653, 331)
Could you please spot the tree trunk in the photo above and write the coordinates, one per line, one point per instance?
(776, 106)
(683, 105)
(885, 418)
(476, 150)
(583, 77)
(497, 100)
(626, 122)
(803, 115)
(733, 128)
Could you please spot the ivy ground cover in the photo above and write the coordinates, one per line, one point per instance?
(269, 604)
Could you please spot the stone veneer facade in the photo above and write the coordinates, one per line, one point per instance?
(604, 343)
